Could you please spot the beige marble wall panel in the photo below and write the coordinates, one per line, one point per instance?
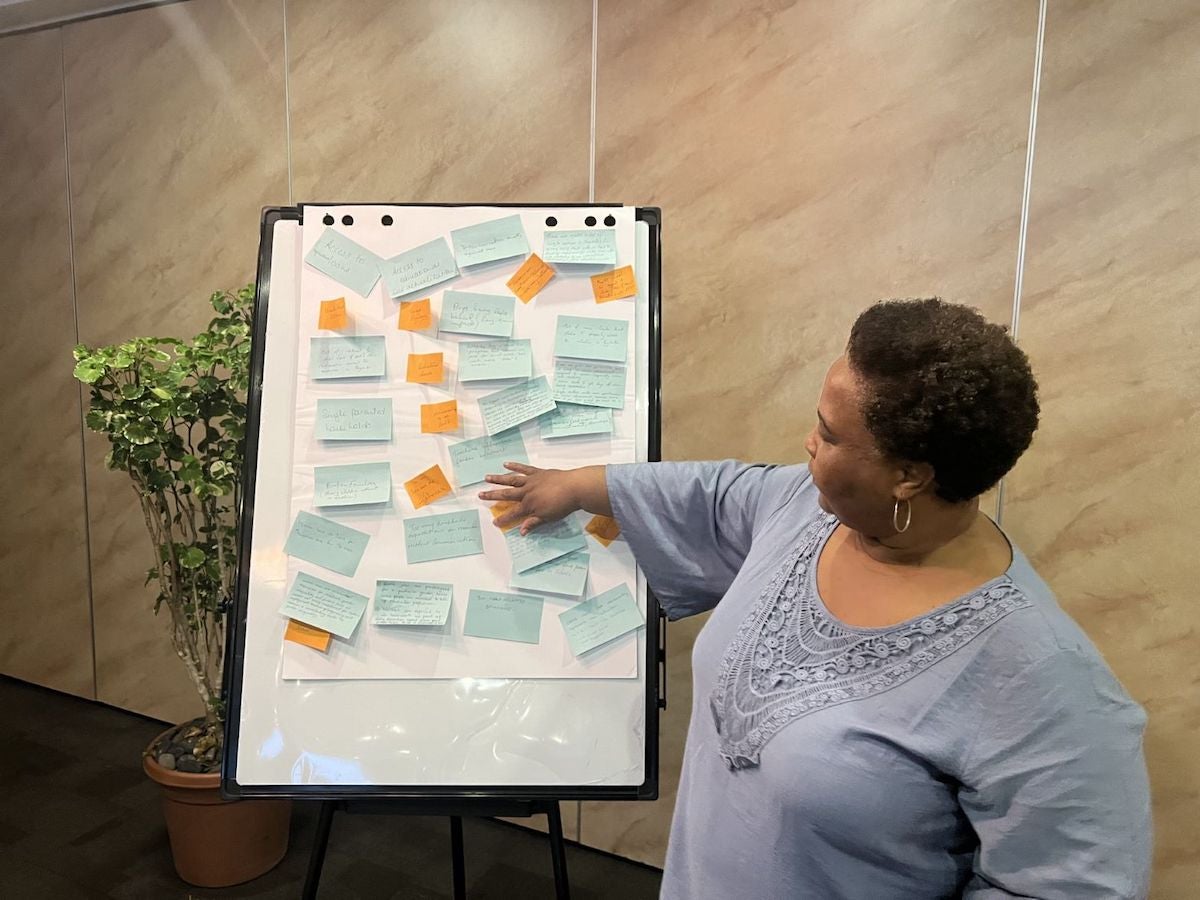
(471, 101)
(810, 158)
(47, 633)
(1106, 500)
(176, 122)
(440, 102)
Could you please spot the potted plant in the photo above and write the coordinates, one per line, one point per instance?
(174, 413)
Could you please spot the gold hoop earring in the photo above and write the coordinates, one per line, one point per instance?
(896, 517)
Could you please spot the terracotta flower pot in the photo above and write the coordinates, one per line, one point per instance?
(215, 842)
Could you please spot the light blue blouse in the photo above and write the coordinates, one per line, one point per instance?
(982, 751)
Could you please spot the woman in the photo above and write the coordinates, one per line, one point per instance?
(889, 703)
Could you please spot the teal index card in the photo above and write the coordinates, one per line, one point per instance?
(344, 261)
(323, 605)
(571, 419)
(327, 544)
(411, 603)
(464, 312)
(489, 241)
(511, 406)
(601, 619)
(504, 617)
(486, 456)
(587, 245)
(352, 484)
(544, 543)
(584, 337)
(354, 419)
(419, 268)
(566, 575)
(487, 360)
(589, 383)
(444, 536)
(364, 356)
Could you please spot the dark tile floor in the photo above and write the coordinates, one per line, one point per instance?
(78, 819)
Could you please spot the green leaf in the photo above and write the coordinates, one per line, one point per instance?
(160, 479)
(89, 371)
(161, 393)
(192, 558)
(216, 489)
(132, 391)
(140, 431)
(147, 452)
(153, 408)
(213, 407)
(189, 470)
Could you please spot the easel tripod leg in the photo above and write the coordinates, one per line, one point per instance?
(558, 851)
(457, 857)
(316, 859)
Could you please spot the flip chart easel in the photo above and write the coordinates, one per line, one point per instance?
(394, 742)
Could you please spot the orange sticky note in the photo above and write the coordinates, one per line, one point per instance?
(415, 315)
(426, 368)
(499, 509)
(333, 314)
(533, 275)
(439, 417)
(604, 529)
(299, 633)
(430, 485)
(615, 285)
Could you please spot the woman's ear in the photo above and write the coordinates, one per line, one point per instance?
(915, 478)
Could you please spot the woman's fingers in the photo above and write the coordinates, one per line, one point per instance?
(512, 517)
(512, 480)
(529, 524)
(520, 467)
(505, 494)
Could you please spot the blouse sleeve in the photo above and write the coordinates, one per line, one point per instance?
(1056, 788)
(691, 524)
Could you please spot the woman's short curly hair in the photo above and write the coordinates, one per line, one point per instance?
(943, 385)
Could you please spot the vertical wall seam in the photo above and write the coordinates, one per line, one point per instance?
(592, 123)
(87, 517)
(1019, 281)
(1028, 182)
(287, 101)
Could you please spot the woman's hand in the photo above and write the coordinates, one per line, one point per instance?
(546, 495)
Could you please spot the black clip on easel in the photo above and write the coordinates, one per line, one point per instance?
(455, 810)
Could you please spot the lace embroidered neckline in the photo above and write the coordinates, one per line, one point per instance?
(791, 657)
